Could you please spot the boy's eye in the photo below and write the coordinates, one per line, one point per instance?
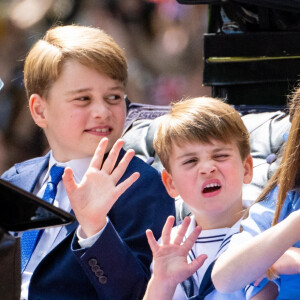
(83, 98)
(113, 98)
(221, 156)
(190, 161)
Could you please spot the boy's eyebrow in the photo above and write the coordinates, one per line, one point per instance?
(228, 148)
(216, 150)
(114, 88)
(77, 91)
(186, 155)
(117, 87)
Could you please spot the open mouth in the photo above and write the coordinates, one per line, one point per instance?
(212, 187)
(101, 130)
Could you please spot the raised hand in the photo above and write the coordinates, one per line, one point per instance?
(170, 265)
(98, 190)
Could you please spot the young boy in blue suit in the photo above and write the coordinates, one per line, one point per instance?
(75, 80)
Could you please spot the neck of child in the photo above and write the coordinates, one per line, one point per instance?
(215, 221)
(65, 159)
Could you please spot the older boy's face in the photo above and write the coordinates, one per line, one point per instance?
(82, 107)
(209, 178)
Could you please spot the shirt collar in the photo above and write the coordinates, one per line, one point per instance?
(79, 167)
(228, 230)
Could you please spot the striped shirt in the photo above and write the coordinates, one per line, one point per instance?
(211, 242)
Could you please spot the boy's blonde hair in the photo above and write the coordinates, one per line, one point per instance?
(200, 120)
(89, 46)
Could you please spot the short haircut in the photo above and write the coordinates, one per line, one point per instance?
(89, 46)
(200, 120)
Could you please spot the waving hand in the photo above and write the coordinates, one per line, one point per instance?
(99, 189)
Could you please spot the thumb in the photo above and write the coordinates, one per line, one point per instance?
(69, 181)
(152, 241)
(197, 263)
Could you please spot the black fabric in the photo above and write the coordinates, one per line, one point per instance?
(262, 16)
(272, 71)
(10, 270)
(286, 5)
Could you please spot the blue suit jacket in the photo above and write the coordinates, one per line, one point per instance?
(117, 265)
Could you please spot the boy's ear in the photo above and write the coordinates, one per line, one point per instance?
(37, 107)
(248, 167)
(168, 183)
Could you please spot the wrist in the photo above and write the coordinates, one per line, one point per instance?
(271, 273)
(88, 229)
(158, 289)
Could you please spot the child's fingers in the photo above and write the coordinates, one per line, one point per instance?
(97, 158)
(119, 171)
(182, 230)
(152, 241)
(191, 239)
(197, 263)
(68, 180)
(113, 155)
(124, 185)
(166, 232)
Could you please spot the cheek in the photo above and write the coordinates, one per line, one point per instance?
(185, 182)
(234, 174)
(119, 116)
(76, 117)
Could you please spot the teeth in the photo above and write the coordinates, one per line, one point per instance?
(101, 130)
(212, 185)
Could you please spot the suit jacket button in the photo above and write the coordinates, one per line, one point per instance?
(95, 268)
(103, 279)
(92, 262)
(99, 273)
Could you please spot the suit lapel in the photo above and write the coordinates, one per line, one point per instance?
(28, 173)
(64, 232)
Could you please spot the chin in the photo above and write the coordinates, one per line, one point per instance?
(216, 210)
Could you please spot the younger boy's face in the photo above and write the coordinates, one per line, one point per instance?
(81, 108)
(209, 178)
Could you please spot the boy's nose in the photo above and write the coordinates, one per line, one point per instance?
(100, 110)
(207, 168)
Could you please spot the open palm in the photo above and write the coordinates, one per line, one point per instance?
(99, 189)
(170, 256)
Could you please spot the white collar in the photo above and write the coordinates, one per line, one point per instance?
(79, 166)
(230, 231)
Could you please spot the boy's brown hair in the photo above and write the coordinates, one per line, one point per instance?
(91, 47)
(201, 120)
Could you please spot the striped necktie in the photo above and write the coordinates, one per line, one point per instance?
(30, 238)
